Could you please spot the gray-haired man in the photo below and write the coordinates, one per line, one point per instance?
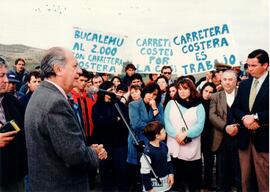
(59, 159)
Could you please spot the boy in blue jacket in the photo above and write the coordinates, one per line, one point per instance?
(156, 151)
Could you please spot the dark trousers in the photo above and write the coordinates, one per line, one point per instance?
(135, 179)
(208, 164)
(228, 166)
(187, 174)
(113, 170)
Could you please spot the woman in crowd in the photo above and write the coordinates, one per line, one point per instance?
(135, 93)
(171, 92)
(116, 80)
(163, 82)
(184, 120)
(152, 78)
(141, 112)
(111, 131)
(206, 139)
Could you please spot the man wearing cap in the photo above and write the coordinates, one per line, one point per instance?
(13, 162)
(12, 84)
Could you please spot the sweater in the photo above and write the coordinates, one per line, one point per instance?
(160, 161)
(194, 117)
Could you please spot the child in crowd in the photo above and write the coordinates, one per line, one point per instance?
(135, 93)
(156, 151)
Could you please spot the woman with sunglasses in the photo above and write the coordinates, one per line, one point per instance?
(184, 121)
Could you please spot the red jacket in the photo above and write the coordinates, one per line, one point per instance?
(85, 103)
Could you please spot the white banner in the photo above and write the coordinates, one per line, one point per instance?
(189, 52)
(151, 52)
(98, 51)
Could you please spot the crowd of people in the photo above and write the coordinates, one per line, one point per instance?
(169, 135)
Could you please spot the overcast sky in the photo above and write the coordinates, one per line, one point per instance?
(47, 23)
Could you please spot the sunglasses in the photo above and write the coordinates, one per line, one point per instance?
(167, 73)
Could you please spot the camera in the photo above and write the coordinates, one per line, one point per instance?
(9, 126)
(187, 140)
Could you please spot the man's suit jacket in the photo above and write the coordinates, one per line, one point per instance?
(218, 117)
(13, 157)
(58, 157)
(240, 107)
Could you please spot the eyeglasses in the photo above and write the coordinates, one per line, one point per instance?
(167, 73)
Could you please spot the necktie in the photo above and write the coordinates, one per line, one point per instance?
(253, 93)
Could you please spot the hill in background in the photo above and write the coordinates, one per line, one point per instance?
(31, 55)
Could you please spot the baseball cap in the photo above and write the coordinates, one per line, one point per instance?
(12, 78)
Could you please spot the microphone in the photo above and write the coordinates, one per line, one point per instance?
(93, 90)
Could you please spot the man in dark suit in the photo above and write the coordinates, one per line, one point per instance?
(59, 159)
(251, 111)
(13, 162)
(225, 145)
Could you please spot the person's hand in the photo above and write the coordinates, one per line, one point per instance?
(243, 78)
(232, 129)
(153, 104)
(180, 138)
(101, 152)
(6, 138)
(171, 179)
(248, 120)
(151, 190)
(219, 87)
(250, 123)
(253, 126)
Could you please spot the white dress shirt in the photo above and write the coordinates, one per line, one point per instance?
(230, 97)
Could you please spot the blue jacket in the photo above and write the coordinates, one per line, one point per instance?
(139, 118)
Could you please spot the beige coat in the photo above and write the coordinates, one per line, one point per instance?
(218, 117)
